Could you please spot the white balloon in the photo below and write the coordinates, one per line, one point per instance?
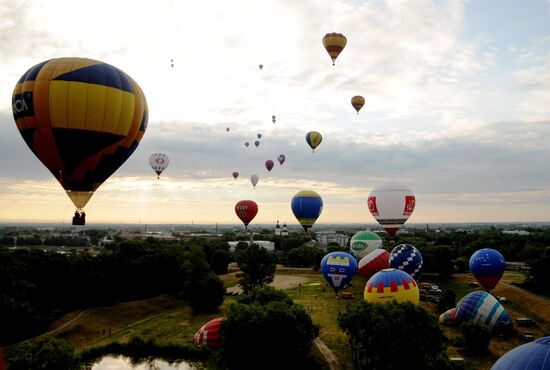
(391, 205)
(254, 180)
(159, 162)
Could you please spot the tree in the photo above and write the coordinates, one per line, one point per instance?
(266, 330)
(257, 267)
(475, 336)
(447, 300)
(44, 354)
(377, 332)
(220, 260)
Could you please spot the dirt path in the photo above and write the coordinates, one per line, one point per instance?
(279, 282)
(327, 354)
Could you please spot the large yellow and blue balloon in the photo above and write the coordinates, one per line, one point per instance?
(82, 118)
(390, 284)
(338, 268)
(528, 356)
(306, 205)
(487, 265)
(482, 307)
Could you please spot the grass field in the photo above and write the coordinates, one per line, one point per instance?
(169, 320)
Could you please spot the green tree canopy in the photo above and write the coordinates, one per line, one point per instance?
(257, 267)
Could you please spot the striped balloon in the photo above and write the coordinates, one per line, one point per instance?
(334, 43)
(448, 317)
(482, 307)
(407, 258)
(307, 205)
(390, 284)
(373, 262)
(209, 334)
(528, 356)
(313, 138)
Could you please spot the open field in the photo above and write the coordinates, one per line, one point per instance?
(168, 319)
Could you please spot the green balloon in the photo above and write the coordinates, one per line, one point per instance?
(364, 242)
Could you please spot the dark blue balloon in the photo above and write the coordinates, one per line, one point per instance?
(306, 206)
(407, 258)
(487, 266)
(338, 268)
(528, 356)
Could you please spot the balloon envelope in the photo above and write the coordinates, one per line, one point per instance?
(482, 307)
(306, 205)
(357, 102)
(227, 129)
(529, 356)
(235, 175)
(390, 284)
(257, 143)
(313, 138)
(373, 262)
(82, 118)
(391, 205)
(246, 210)
(159, 162)
(269, 165)
(338, 268)
(364, 242)
(209, 334)
(407, 258)
(334, 43)
(448, 317)
(281, 158)
(487, 265)
(273, 119)
(254, 180)
(246, 143)
(259, 136)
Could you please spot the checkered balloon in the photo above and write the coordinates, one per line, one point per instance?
(407, 258)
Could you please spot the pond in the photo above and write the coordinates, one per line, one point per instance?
(124, 363)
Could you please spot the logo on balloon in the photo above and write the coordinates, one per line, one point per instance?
(22, 105)
(372, 206)
(409, 205)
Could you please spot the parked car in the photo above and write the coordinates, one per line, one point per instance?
(473, 283)
(527, 336)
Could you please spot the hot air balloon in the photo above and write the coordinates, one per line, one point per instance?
(259, 136)
(391, 205)
(172, 63)
(338, 268)
(307, 206)
(261, 66)
(407, 258)
(390, 284)
(281, 158)
(227, 129)
(313, 138)
(254, 180)
(257, 143)
(358, 102)
(375, 261)
(334, 43)
(246, 143)
(448, 317)
(269, 165)
(246, 210)
(209, 334)
(235, 175)
(273, 119)
(529, 356)
(487, 266)
(82, 118)
(364, 242)
(159, 162)
(482, 307)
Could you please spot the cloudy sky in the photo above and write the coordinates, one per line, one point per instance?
(457, 106)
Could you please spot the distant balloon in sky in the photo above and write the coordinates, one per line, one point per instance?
(391, 205)
(390, 284)
(281, 158)
(227, 129)
(259, 136)
(172, 63)
(246, 143)
(261, 66)
(364, 242)
(482, 307)
(82, 118)
(338, 268)
(254, 180)
(246, 210)
(209, 334)
(529, 356)
(407, 258)
(487, 265)
(313, 138)
(334, 43)
(357, 102)
(235, 175)
(159, 162)
(273, 119)
(307, 205)
(269, 165)
(257, 143)
(373, 262)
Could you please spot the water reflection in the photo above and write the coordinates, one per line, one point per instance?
(123, 363)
